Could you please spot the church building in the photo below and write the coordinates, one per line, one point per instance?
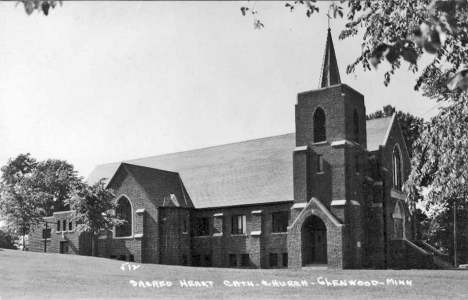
(327, 196)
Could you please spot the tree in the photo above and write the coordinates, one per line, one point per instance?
(403, 30)
(439, 229)
(439, 169)
(397, 30)
(440, 156)
(58, 179)
(31, 190)
(21, 206)
(18, 169)
(7, 239)
(410, 125)
(55, 178)
(40, 6)
(93, 206)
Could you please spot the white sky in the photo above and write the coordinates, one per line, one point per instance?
(99, 82)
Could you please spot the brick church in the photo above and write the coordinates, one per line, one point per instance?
(329, 195)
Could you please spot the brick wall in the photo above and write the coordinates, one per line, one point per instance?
(174, 235)
(64, 240)
(144, 245)
(336, 237)
(339, 103)
(359, 224)
(124, 185)
(258, 240)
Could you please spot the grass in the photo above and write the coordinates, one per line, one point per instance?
(28, 275)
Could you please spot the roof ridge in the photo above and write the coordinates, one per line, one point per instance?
(203, 148)
(375, 119)
(145, 167)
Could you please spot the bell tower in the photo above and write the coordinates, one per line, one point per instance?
(329, 164)
(330, 136)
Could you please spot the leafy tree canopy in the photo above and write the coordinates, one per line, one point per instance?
(40, 6)
(94, 206)
(54, 178)
(21, 206)
(440, 156)
(399, 30)
(31, 190)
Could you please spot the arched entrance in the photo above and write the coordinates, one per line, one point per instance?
(314, 241)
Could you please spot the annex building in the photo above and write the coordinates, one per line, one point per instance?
(329, 194)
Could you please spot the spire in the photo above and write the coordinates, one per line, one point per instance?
(330, 73)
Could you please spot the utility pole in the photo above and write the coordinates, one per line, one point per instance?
(455, 234)
(45, 238)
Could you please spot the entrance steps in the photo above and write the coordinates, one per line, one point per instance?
(405, 254)
(441, 260)
(315, 267)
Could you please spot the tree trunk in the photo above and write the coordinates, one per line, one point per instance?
(455, 235)
(24, 241)
(95, 245)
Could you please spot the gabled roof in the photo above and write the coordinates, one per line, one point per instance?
(250, 172)
(330, 73)
(256, 171)
(158, 185)
(377, 132)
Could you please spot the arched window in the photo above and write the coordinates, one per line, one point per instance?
(319, 126)
(124, 212)
(356, 127)
(397, 168)
(399, 221)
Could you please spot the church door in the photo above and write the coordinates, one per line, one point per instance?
(314, 241)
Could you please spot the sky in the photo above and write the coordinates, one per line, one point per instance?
(101, 82)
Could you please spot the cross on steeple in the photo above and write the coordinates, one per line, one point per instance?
(330, 74)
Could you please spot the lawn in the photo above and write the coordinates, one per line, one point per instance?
(28, 275)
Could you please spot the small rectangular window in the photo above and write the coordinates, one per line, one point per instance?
(70, 226)
(239, 223)
(280, 221)
(58, 226)
(207, 262)
(320, 163)
(273, 260)
(233, 260)
(202, 227)
(245, 260)
(185, 226)
(285, 260)
(196, 261)
(131, 257)
(46, 233)
(64, 225)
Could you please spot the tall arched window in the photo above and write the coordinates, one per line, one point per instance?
(356, 127)
(397, 169)
(319, 126)
(124, 212)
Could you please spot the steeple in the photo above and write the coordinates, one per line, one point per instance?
(330, 73)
